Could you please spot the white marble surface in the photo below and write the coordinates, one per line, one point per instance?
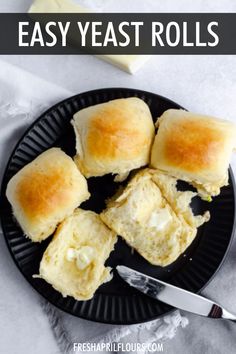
(205, 84)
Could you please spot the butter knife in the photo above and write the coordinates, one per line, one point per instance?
(174, 296)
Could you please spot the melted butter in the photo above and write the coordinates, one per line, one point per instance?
(71, 254)
(159, 219)
(83, 256)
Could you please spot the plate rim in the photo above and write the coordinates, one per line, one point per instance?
(2, 191)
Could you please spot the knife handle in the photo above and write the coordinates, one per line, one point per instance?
(219, 312)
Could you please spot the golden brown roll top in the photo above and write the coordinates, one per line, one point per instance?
(194, 148)
(46, 191)
(113, 137)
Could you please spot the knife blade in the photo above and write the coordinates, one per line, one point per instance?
(172, 295)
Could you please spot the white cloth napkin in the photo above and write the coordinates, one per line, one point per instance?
(23, 98)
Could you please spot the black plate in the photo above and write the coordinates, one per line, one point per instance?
(114, 302)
